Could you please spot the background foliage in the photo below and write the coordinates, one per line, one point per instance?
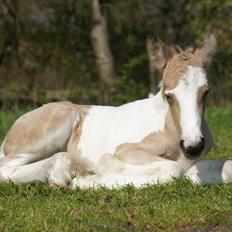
(46, 51)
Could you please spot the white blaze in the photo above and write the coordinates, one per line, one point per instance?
(186, 94)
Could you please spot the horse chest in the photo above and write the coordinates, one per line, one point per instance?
(106, 128)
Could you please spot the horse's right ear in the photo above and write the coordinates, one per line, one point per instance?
(158, 52)
(207, 49)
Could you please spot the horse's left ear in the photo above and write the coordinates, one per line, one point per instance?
(207, 49)
(158, 52)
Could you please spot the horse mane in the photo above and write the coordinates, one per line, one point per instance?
(185, 51)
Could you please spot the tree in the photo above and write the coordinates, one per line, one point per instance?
(100, 41)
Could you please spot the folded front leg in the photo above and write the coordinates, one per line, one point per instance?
(159, 172)
(210, 171)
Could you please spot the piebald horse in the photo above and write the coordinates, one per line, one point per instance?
(148, 141)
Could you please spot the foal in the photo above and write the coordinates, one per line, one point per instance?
(142, 142)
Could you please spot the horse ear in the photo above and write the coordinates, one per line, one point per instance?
(158, 52)
(208, 48)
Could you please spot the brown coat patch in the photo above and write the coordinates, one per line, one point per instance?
(80, 166)
(177, 67)
(29, 133)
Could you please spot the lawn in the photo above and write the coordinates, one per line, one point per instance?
(177, 206)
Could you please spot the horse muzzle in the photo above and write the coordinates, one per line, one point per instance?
(192, 152)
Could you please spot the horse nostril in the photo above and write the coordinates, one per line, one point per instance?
(181, 143)
(189, 150)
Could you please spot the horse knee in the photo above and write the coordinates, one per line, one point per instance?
(176, 170)
(164, 171)
(59, 172)
(169, 171)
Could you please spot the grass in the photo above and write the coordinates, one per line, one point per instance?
(177, 206)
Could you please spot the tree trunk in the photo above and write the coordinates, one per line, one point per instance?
(99, 35)
(153, 75)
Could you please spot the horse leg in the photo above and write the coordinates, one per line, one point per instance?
(158, 172)
(210, 171)
(55, 169)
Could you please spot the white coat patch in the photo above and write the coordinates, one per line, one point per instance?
(105, 128)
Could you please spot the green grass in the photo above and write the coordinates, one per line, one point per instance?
(177, 206)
